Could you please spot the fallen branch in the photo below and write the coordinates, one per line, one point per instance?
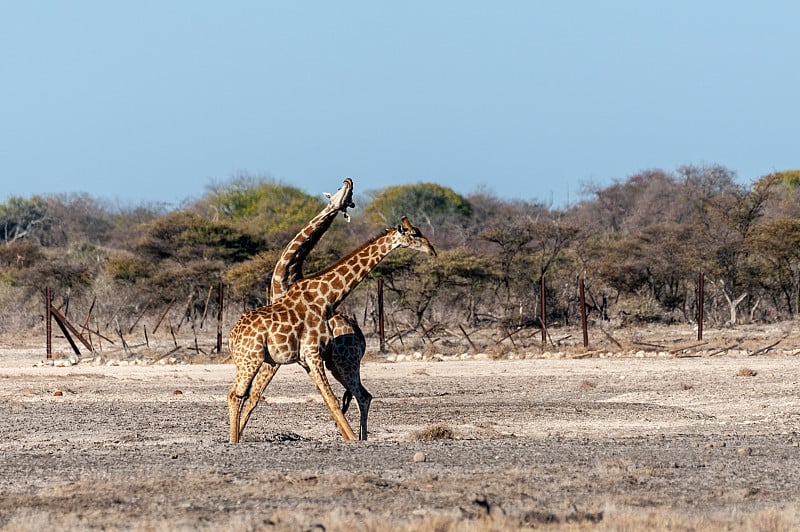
(648, 344)
(767, 348)
(722, 350)
(684, 348)
(608, 335)
(588, 354)
(163, 356)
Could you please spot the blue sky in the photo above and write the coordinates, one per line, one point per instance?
(155, 100)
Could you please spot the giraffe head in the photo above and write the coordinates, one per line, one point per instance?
(411, 237)
(343, 199)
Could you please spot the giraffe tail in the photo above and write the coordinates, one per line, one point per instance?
(346, 398)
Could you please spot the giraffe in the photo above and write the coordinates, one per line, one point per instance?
(295, 328)
(343, 359)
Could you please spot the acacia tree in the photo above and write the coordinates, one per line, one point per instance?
(527, 242)
(726, 214)
(264, 208)
(438, 211)
(454, 283)
(184, 237)
(22, 218)
(777, 246)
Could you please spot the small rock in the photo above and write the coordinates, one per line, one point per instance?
(177, 392)
(744, 451)
(420, 457)
(58, 393)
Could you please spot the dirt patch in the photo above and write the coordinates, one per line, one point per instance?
(653, 441)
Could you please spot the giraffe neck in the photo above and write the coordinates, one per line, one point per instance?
(344, 275)
(289, 268)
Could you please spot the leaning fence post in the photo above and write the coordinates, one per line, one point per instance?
(169, 306)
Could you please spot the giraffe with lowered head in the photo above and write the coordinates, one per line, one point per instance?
(347, 348)
(295, 328)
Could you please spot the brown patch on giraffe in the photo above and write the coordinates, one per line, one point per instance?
(337, 283)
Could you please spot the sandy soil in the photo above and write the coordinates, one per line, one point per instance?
(630, 441)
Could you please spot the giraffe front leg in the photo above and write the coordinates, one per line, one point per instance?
(260, 382)
(314, 367)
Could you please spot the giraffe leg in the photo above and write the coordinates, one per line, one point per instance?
(260, 382)
(347, 350)
(314, 367)
(349, 375)
(234, 410)
(245, 373)
(364, 398)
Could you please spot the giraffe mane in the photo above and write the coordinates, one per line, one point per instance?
(356, 250)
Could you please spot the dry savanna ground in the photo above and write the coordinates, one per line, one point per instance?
(650, 431)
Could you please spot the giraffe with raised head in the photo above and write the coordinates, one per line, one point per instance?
(289, 267)
(295, 328)
(343, 359)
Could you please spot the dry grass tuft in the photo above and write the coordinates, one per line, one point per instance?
(434, 433)
(746, 372)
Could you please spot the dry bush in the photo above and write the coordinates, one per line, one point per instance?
(434, 433)
(23, 311)
(746, 372)
(586, 385)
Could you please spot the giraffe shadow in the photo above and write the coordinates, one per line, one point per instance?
(278, 437)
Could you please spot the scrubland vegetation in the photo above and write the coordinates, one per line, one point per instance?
(639, 244)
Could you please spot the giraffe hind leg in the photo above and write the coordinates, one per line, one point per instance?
(260, 382)
(246, 371)
(315, 369)
(363, 398)
(345, 365)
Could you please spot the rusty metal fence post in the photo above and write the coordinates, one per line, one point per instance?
(583, 313)
(543, 316)
(381, 331)
(220, 294)
(700, 290)
(48, 316)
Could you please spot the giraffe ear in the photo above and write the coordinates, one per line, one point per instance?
(401, 229)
